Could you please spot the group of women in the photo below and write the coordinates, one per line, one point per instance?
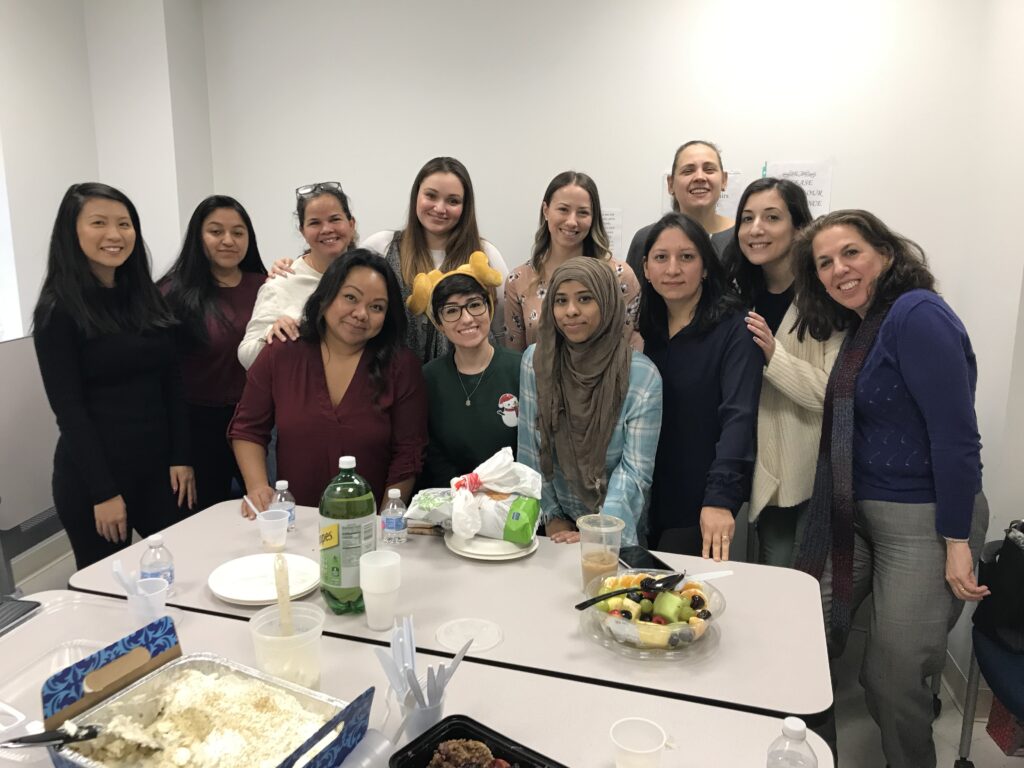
(778, 360)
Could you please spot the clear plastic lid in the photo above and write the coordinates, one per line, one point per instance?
(156, 540)
(347, 462)
(394, 493)
(794, 728)
(281, 485)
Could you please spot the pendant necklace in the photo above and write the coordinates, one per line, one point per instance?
(483, 375)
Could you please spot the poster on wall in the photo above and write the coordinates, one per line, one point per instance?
(730, 198)
(815, 178)
(612, 218)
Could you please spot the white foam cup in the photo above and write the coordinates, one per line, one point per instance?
(638, 743)
(380, 576)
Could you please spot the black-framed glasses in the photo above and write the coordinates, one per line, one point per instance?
(321, 186)
(451, 313)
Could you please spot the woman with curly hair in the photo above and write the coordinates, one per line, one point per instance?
(897, 509)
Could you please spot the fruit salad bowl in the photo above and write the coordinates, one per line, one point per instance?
(651, 625)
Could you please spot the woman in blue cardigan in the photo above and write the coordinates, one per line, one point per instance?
(897, 509)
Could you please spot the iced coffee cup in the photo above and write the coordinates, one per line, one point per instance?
(600, 539)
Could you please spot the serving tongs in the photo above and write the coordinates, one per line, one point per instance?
(664, 584)
(55, 738)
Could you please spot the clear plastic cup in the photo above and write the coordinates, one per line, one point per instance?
(151, 601)
(406, 710)
(600, 540)
(638, 743)
(294, 657)
(273, 525)
(380, 576)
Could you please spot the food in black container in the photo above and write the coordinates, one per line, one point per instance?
(420, 752)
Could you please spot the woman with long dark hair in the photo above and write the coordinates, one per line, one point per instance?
(347, 386)
(897, 509)
(770, 215)
(570, 225)
(106, 353)
(694, 331)
(211, 289)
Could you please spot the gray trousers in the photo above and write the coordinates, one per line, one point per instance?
(901, 561)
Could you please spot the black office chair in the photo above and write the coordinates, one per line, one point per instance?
(1002, 669)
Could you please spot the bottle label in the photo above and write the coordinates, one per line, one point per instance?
(394, 523)
(342, 543)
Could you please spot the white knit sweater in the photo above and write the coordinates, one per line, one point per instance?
(789, 417)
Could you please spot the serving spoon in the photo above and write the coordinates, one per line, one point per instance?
(650, 584)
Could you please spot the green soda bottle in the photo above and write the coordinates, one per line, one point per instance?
(348, 528)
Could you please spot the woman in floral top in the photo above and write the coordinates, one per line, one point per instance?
(570, 225)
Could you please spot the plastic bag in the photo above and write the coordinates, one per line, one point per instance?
(498, 500)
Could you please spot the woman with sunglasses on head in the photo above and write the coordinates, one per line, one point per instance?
(347, 386)
(103, 336)
(590, 407)
(695, 185)
(440, 233)
(327, 226)
(474, 390)
(771, 214)
(694, 331)
(897, 509)
(211, 289)
(570, 226)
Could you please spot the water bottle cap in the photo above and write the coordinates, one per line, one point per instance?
(394, 493)
(156, 540)
(347, 462)
(794, 728)
(281, 485)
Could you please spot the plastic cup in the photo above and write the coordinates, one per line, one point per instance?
(296, 657)
(417, 719)
(638, 743)
(380, 576)
(273, 525)
(600, 540)
(151, 602)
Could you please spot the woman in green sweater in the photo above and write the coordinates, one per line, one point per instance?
(473, 391)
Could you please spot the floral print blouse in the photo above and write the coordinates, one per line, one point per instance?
(524, 295)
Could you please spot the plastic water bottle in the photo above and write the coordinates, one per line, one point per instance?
(392, 519)
(283, 499)
(791, 749)
(348, 530)
(157, 562)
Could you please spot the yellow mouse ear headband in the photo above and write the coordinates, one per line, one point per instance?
(478, 268)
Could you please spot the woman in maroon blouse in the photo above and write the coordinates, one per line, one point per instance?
(348, 387)
(212, 289)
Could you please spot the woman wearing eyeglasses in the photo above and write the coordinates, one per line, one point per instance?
(473, 391)
(327, 225)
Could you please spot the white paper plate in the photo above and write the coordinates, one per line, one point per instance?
(249, 580)
(479, 548)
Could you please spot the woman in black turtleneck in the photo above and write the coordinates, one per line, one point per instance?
(107, 358)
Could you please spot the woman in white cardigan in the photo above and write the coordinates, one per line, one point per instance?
(770, 213)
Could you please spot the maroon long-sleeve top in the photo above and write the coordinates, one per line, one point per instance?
(287, 386)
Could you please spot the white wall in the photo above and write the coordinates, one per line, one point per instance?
(46, 125)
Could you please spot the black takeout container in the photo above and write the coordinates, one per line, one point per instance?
(417, 753)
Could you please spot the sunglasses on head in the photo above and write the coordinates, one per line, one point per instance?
(321, 186)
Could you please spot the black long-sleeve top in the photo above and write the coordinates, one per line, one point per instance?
(117, 398)
(712, 384)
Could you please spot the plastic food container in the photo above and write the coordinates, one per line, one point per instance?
(417, 753)
(646, 640)
(314, 702)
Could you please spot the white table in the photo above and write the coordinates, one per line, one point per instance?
(766, 654)
(571, 724)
